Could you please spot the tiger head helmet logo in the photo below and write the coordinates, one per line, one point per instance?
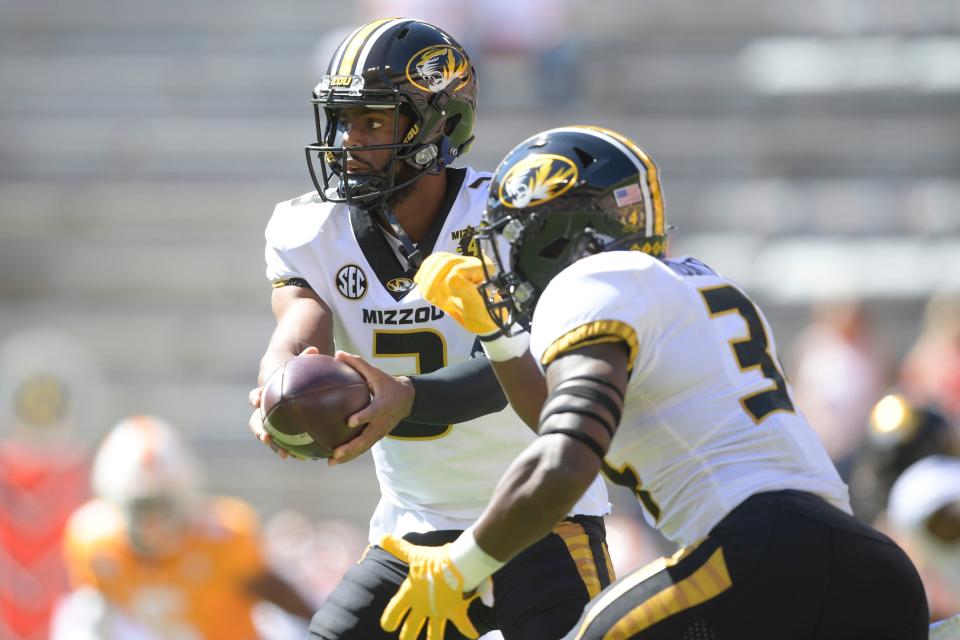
(537, 179)
(438, 67)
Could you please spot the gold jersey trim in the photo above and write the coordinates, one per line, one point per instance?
(596, 332)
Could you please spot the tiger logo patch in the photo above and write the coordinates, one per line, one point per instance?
(439, 67)
(537, 179)
(399, 285)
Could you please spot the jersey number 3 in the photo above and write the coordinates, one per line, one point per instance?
(430, 352)
(752, 352)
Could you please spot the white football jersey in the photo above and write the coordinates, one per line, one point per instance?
(430, 477)
(708, 419)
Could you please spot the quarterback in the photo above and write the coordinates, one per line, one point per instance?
(395, 109)
(662, 374)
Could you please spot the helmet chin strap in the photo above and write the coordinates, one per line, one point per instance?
(408, 255)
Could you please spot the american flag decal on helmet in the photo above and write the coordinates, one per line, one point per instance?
(630, 194)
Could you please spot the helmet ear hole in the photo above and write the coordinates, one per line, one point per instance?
(553, 250)
(451, 124)
(585, 157)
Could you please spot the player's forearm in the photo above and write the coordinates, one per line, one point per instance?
(524, 385)
(301, 323)
(271, 360)
(456, 393)
(535, 493)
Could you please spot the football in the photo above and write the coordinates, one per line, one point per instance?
(306, 402)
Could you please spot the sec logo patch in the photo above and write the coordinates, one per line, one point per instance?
(351, 282)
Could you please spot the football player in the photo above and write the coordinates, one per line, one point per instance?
(664, 375)
(156, 555)
(395, 109)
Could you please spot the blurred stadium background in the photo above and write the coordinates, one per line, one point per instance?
(810, 150)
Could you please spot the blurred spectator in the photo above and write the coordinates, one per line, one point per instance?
(50, 393)
(151, 557)
(931, 370)
(839, 372)
(924, 515)
(900, 434)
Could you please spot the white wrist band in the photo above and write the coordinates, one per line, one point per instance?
(474, 563)
(504, 348)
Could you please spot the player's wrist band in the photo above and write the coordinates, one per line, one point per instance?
(499, 347)
(474, 564)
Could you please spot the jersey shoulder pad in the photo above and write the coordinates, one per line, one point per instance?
(94, 540)
(229, 528)
(94, 524)
(477, 180)
(226, 517)
(296, 222)
(601, 312)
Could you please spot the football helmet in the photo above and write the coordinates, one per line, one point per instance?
(145, 469)
(407, 66)
(557, 197)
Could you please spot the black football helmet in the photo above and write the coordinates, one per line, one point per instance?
(398, 64)
(557, 197)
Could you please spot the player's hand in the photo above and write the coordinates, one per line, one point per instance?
(391, 401)
(451, 283)
(256, 418)
(256, 426)
(432, 593)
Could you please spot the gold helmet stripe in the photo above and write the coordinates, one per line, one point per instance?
(650, 185)
(652, 175)
(356, 41)
(361, 63)
(335, 61)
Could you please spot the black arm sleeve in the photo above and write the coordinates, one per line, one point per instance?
(456, 393)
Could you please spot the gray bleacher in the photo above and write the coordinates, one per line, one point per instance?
(143, 145)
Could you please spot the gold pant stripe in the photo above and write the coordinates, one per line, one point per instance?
(606, 559)
(632, 580)
(578, 544)
(705, 583)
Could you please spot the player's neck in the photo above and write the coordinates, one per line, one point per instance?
(420, 207)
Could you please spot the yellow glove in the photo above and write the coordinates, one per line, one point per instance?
(432, 591)
(450, 282)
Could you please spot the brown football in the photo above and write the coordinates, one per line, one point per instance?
(306, 402)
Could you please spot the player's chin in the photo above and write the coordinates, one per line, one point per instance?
(397, 197)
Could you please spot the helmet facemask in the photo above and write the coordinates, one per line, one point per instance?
(327, 158)
(508, 297)
(513, 286)
(412, 154)
(156, 524)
